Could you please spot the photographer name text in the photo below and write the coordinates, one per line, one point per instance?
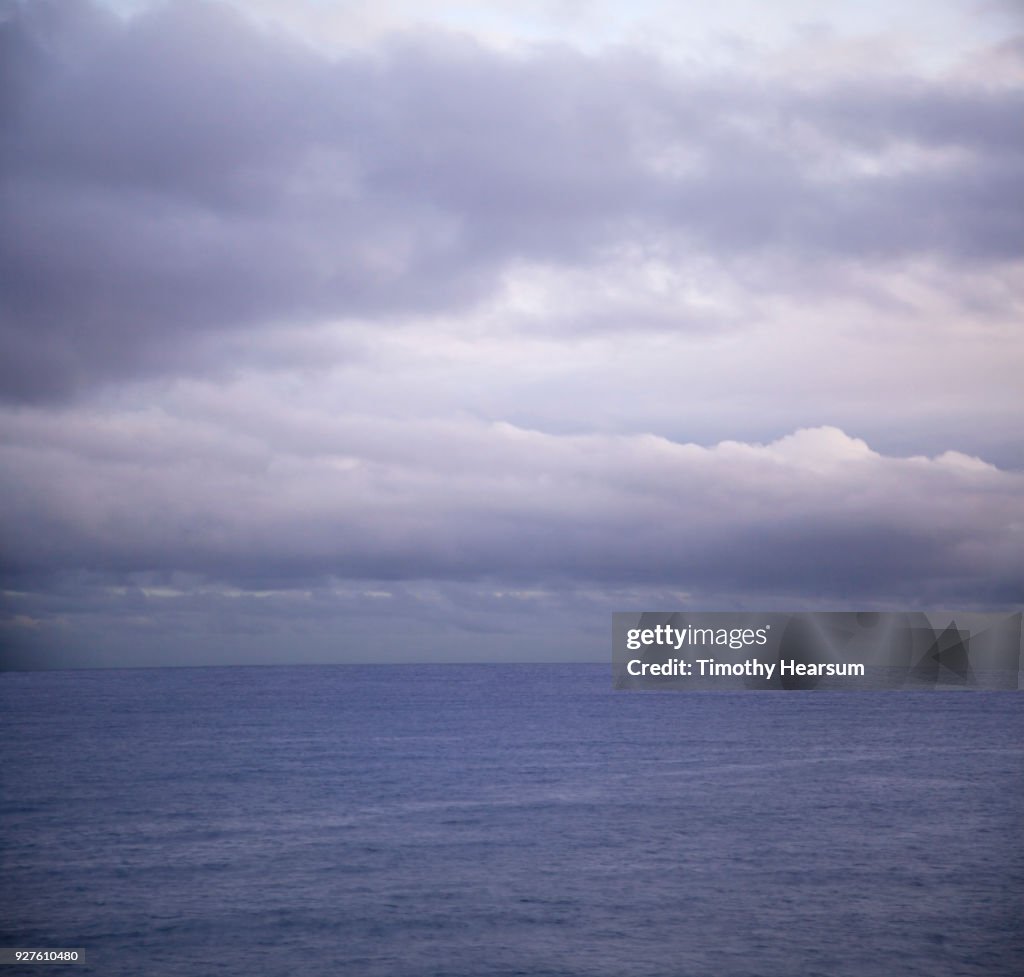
(751, 668)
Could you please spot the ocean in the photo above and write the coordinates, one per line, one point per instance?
(476, 820)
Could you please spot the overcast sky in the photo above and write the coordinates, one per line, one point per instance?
(392, 331)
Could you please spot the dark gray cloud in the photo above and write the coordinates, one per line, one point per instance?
(183, 174)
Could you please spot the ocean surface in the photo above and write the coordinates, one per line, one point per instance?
(505, 820)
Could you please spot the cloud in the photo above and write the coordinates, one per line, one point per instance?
(183, 176)
(364, 498)
(149, 538)
(476, 339)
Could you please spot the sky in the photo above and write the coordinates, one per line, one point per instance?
(394, 331)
